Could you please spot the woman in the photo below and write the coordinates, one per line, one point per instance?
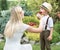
(14, 30)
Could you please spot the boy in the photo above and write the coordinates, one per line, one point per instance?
(47, 23)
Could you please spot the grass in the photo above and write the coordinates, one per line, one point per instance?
(1, 45)
(53, 47)
(35, 47)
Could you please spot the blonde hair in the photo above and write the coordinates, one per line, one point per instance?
(14, 22)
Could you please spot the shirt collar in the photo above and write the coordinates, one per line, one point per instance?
(46, 16)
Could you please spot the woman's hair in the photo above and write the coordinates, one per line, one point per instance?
(14, 21)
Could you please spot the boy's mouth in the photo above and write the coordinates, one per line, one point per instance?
(40, 12)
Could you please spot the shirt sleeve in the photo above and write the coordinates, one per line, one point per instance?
(25, 27)
(50, 22)
(41, 22)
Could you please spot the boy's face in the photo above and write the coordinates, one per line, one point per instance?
(43, 11)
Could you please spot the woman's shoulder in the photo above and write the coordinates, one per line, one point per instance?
(50, 18)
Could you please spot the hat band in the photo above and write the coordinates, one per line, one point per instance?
(45, 8)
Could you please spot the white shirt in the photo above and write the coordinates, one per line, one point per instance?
(13, 43)
(43, 22)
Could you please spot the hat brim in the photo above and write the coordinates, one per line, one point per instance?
(42, 6)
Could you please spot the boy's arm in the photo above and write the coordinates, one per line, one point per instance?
(50, 36)
(51, 31)
(51, 28)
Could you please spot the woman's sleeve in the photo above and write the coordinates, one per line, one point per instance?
(41, 22)
(25, 27)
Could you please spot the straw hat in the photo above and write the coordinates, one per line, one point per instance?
(47, 6)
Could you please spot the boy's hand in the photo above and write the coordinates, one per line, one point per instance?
(49, 38)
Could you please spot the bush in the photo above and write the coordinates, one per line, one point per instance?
(25, 7)
(3, 19)
(56, 37)
(29, 19)
(57, 27)
(33, 36)
(2, 45)
(28, 13)
(32, 21)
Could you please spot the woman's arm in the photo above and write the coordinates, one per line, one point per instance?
(35, 30)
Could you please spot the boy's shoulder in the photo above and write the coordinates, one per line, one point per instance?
(50, 18)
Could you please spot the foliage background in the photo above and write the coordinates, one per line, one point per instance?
(31, 7)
